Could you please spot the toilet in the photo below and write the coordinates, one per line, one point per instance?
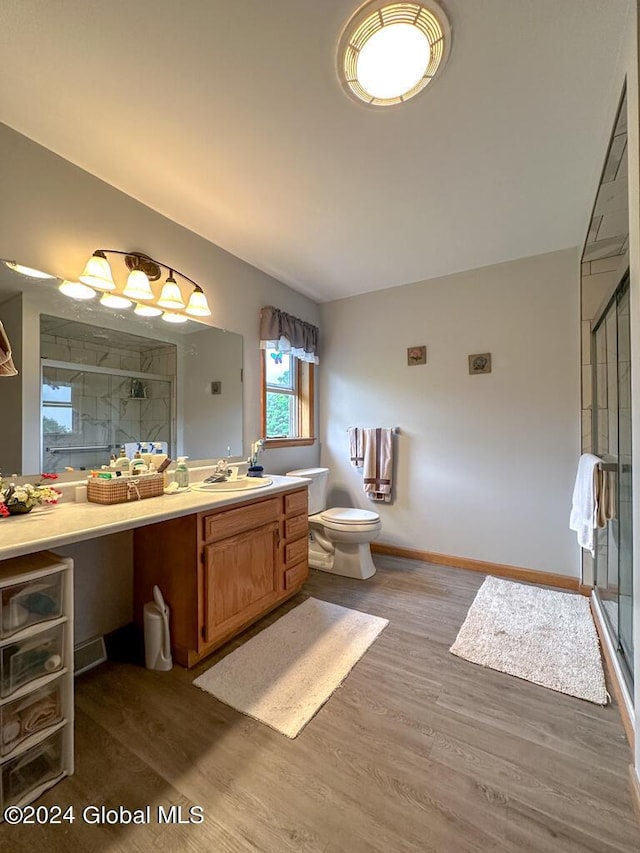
(339, 538)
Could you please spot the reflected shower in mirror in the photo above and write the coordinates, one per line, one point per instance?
(92, 379)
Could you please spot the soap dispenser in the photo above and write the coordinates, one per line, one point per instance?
(182, 472)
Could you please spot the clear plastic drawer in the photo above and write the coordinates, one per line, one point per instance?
(31, 657)
(30, 769)
(28, 603)
(23, 717)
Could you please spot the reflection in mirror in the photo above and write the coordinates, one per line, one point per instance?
(92, 380)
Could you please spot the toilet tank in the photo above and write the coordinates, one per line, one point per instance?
(317, 486)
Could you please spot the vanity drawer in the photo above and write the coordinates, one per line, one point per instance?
(232, 521)
(296, 503)
(296, 575)
(296, 526)
(25, 604)
(296, 551)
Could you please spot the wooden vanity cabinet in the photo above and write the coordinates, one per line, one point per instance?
(221, 570)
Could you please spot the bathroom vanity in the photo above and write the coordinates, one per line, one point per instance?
(221, 569)
(221, 559)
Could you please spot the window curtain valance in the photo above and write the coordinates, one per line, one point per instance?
(285, 333)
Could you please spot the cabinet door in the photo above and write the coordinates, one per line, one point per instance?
(240, 578)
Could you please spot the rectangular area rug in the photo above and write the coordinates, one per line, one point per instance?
(286, 673)
(538, 634)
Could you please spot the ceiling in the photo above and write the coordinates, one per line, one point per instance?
(229, 119)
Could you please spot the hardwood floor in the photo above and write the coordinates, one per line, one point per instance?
(417, 751)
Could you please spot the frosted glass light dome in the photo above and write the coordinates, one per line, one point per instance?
(389, 52)
(393, 61)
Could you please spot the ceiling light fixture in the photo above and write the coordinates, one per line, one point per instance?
(389, 52)
(143, 270)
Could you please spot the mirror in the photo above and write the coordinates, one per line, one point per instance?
(92, 379)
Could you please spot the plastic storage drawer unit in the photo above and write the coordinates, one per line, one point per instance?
(25, 716)
(29, 603)
(29, 658)
(31, 769)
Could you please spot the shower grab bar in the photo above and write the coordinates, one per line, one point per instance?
(79, 449)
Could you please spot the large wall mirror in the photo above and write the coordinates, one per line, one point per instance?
(92, 380)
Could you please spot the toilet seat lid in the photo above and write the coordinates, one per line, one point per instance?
(348, 515)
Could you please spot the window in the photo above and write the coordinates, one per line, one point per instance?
(57, 410)
(287, 399)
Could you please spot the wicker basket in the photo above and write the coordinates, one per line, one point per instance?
(124, 489)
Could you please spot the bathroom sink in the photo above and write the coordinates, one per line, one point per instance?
(244, 485)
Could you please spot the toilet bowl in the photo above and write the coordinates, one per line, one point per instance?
(339, 537)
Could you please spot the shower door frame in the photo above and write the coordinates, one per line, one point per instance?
(624, 663)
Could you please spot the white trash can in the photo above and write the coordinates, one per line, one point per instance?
(157, 643)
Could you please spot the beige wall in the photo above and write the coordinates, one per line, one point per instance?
(485, 463)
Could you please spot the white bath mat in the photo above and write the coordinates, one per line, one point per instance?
(541, 635)
(286, 673)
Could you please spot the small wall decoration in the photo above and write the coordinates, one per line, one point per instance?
(416, 355)
(480, 362)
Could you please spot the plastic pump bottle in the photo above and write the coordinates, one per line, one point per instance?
(182, 472)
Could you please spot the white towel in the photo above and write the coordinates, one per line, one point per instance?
(356, 453)
(584, 509)
(378, 463)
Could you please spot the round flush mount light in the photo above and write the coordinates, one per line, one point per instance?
(389, 52)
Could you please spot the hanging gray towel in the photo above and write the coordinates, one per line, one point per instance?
(378, 463)
(7, 367)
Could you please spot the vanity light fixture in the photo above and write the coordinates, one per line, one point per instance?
(112, 300)
(30, 272)
(171, 296)
(389, 52)
(76, 290)
(97, 272)
(170, 317)
(144, 270)
(147, 310)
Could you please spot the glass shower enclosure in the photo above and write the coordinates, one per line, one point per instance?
(611, 360)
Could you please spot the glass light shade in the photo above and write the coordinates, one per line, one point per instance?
(171, 296)
(112, 300)
(98, 274)
(138, 286)
(174, 318)
(28, 271)
(76, 290)
(198, 306)
(393, 61)
(147, 310)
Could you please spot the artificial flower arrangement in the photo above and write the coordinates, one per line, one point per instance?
(15, 500)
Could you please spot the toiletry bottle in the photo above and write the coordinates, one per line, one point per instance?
(122, 462)
(182, 472)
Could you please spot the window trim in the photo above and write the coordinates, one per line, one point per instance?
(305, 400)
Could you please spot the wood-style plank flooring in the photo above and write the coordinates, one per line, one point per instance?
(416, 751)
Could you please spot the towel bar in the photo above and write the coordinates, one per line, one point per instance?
(394, 430)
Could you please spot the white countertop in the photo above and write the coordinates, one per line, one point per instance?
(48, 527)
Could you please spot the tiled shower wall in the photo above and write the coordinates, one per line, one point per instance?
(107, 411)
